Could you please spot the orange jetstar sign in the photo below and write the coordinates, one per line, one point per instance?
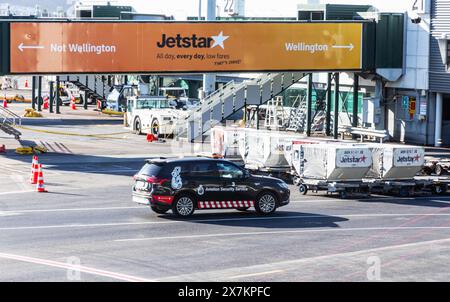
(110, 47)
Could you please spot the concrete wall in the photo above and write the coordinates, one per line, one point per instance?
(402, 127)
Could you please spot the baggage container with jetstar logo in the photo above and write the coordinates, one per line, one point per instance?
(332, 167)
(332, 162)
(396, 162)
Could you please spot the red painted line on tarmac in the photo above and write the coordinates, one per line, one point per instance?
(80, 268)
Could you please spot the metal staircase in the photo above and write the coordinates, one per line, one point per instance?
(8, 120)
(297, 116)
(95, 85)
(275, 115)
(232, 97)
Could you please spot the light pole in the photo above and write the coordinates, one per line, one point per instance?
(209, 80)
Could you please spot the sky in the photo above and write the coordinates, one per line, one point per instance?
(180, 9)
(254, 8)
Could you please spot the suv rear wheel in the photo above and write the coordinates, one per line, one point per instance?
(183, 206)
(266, 203)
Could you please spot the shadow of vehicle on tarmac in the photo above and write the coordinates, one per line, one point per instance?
(278, 220)
(437, 201)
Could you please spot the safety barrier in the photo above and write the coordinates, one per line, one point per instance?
(364, 132)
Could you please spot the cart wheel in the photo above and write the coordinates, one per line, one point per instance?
(439, 170)
(296, 181)
(303, 189)
(343, 194)
(427, 170)
(440, 189)
(404, 192)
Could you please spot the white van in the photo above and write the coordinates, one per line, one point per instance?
(153, 114)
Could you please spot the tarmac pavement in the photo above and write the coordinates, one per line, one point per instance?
(86, 228)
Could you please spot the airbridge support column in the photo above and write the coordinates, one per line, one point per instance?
(33, 92)
(51, 97)
(355, 100)
(85, 101)
(336, 106)
(39, 96)
(328, 109)
(309, 104)
(57, 95)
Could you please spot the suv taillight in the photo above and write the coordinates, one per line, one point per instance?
(156, 180)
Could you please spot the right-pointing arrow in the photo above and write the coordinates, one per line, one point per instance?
(349, 47)
(22, 47)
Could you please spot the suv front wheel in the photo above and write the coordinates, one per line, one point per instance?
(183, 206)
(266, 203)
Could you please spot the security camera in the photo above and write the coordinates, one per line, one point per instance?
(415, 18)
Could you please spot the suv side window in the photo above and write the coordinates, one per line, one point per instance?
(203, 169)
(168, 169)
(229, 171)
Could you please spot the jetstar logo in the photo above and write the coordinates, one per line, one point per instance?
(353, 159)
(193, 41)
(408, 159)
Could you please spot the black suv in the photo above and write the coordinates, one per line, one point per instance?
(186, 184)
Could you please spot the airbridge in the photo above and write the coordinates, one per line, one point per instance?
(107, 47)
(283, 52)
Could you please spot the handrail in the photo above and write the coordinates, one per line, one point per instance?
(12, 116)
(209, 99)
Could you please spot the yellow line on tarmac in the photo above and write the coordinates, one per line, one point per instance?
(101, 135)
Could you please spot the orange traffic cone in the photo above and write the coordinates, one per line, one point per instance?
(46, 103)
(2, 149)
(34, 170)
(40, 183)
(150, 137)
(72, 103)
(5, 103)
(26, 83)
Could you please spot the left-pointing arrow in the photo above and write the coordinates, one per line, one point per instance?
(22, 47)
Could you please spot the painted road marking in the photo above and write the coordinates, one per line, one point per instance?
(112, 224)
(380, 198)
(73, 209)
(13, 170)
(98, 171)
(80, 268)
(15, 192)
(8, 213)
(322, 230)
(291, 264)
